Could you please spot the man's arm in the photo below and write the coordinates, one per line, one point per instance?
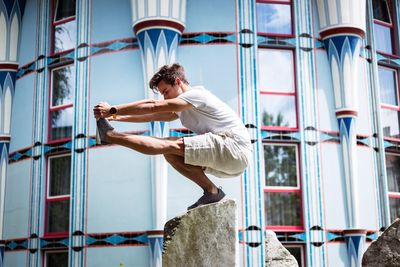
(143, 107)
(165, 116)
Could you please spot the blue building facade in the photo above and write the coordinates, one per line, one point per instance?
(316, 83)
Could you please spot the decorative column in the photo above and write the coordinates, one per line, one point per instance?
(37, 189)
(158, 26)
(342, 30)
(11, 12)
(80, 142)
(253, 237)
(313, 208)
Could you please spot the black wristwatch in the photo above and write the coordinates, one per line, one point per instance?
(113, 110)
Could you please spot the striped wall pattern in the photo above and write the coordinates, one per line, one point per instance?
(37, 190)
(253, 222)
(311, 177)
(80, 132)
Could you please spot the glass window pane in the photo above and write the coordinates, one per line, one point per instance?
(58, 216)
(64, 36)
(393, 172)
(63, 81)
(56, 259)
(394, 208)
(297, 253)
(282, 209)
(278, 110)
(280, 165)
(390, 122)
(383, 38)
(274, 18)
(60, 173)
(64, 9)
(381, 10)
(61, 123)
(388, 86)
(276, 70)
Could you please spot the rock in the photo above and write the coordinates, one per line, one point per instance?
(276, 255)
(385, 251)
(205, 236)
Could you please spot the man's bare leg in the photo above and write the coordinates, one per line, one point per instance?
(194, 173)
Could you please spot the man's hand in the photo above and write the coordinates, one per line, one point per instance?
(102, 110)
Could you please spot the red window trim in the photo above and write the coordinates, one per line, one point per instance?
(53, 199)
(289, 2)
(391, 25)
(53, 25)
(51, 108)
(293, 93)
(284, 189)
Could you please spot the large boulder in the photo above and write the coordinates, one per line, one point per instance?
(276, 255)
(205, 236)
(385, 251)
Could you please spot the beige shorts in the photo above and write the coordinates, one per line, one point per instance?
(221, 154)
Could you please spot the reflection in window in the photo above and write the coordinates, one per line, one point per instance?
(282, 208)
(56, 259)
(64, 36)
(64, 9)
(63, 80)
(381, 10)
(278, 110)
(388, 86)
(394, 204)
(61, 123)
(280, 165)
(297, 252)
(393, 172)
(390, 122)
(383, 38)
(58, 216)
(274, 18)
(276, 70)
(59, 178)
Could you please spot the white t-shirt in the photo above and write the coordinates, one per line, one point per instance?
(210, 114)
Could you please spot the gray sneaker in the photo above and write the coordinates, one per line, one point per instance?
(208, 198)
(103, 126)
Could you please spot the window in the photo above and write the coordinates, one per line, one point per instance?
(297, 251)
(383, 26)
(61, 103)
(64, 26)
(393, 177)
(390, 107)
(277, 88)
(282, 187)
(56, 259)
(58, 194)
(274, 17)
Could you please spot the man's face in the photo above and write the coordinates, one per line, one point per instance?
(169, 91)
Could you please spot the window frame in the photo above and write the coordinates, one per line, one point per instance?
(61, 107)
(290, 94)
(388, 106)
(49, 199)
(54, 24)
(301, 246)
(287, 189)
(45, 252)
(391, 26)
(281, 2)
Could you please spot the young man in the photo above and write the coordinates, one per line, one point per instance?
(221, 147)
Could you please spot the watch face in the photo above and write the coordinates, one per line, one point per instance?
(113, 110)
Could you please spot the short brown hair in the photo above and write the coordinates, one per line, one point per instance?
(168, 74)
